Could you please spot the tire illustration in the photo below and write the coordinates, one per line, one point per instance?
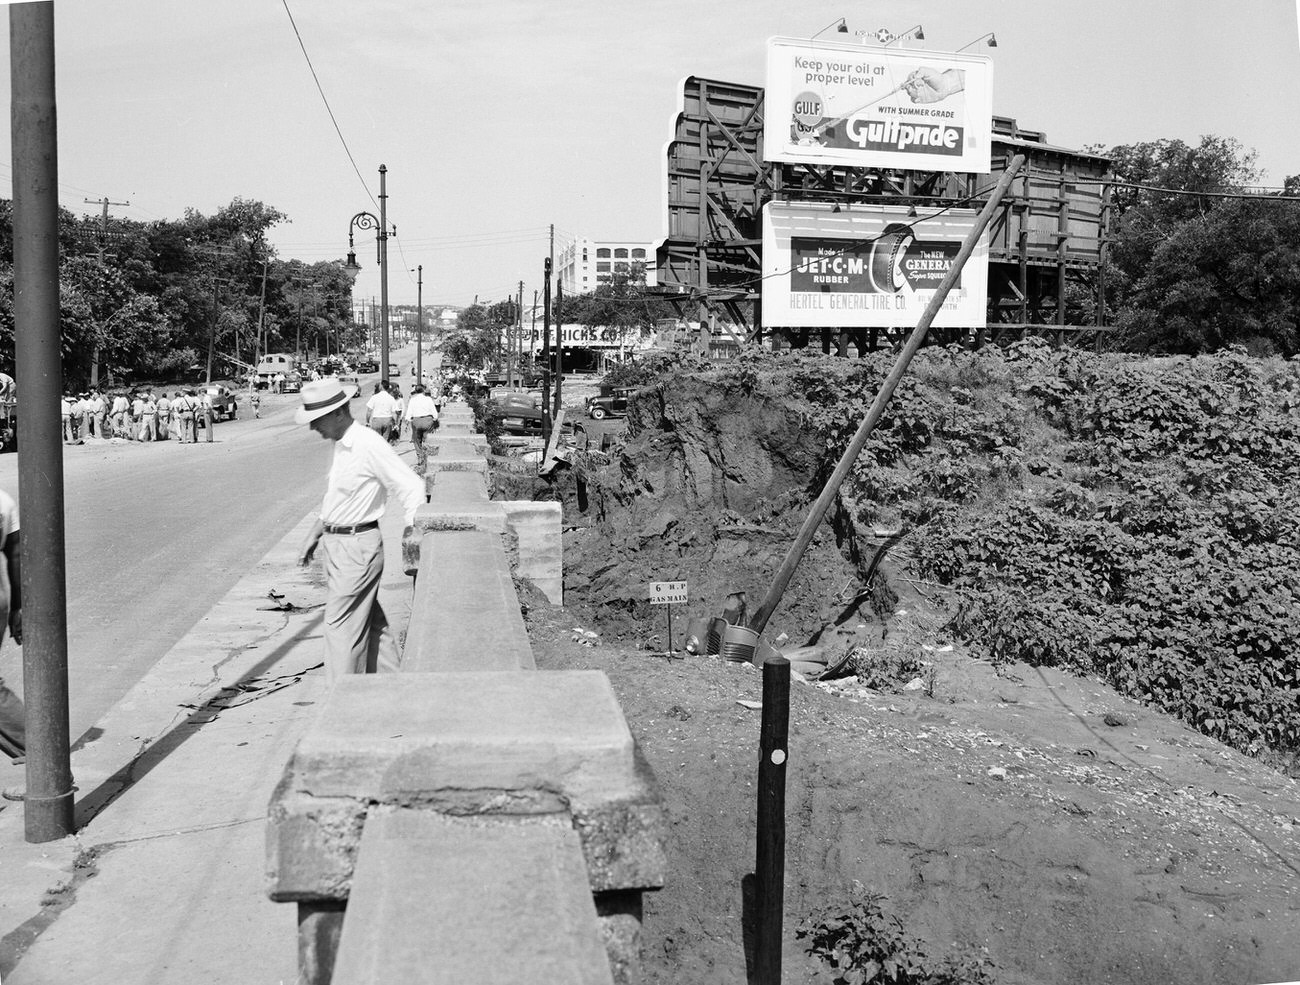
(887, 255)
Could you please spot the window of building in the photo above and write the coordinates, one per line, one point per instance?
(638, 254)
(602, 268)
(620, 254)
(602, 253)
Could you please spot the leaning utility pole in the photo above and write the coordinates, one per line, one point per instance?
(47, 814)
(103, 242)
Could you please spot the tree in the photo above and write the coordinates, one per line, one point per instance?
(1192, 272)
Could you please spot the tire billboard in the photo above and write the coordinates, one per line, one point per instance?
(867, 266)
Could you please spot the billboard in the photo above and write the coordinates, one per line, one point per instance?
(867, 106)
(867, 267)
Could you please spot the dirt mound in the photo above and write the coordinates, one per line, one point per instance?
(711, 489)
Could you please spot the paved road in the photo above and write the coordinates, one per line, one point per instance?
(156, 533)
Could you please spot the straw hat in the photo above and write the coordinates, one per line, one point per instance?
(319, 397)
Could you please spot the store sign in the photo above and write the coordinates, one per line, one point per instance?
(868, 267)
(591, 337)
(869, 106)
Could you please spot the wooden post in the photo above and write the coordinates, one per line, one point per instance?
(758, 620)
(769, 855)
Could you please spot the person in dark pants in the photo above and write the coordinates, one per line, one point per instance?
(13, 716)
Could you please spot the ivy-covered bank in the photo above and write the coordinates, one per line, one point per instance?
(1128, 517)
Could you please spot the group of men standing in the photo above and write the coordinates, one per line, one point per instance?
(138, 417)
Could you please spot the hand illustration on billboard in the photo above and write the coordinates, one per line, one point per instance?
(925, 85)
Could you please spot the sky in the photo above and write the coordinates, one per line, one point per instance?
(498, 119)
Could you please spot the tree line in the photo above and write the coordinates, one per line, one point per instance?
(161, 300)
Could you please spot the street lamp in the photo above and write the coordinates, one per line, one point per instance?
(992, 42)
(364, 220)
(841, 29)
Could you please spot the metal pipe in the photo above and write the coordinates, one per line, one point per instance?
(48, 809)
(769, 843)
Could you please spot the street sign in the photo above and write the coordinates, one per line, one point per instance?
(668, 593)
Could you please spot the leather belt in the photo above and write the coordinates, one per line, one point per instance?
(356, 528)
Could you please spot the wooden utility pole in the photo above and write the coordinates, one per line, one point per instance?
(103, 243)
(419, 323)
(758, 620)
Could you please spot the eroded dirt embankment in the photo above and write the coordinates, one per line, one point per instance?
(1073, 833)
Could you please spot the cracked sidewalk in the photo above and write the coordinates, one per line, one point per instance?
(163, 880)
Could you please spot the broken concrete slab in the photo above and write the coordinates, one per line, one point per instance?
(485, 743)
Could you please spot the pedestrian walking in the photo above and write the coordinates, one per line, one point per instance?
(379, 411)
(255, 398)
(363, 472)
(13, 716)
(399, 412)
(423, 415)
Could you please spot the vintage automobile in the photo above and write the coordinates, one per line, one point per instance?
(610, 402)
(224, 405)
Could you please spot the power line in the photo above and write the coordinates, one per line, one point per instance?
(319, 89)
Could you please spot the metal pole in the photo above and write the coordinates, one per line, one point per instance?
(769, 854)
(261, 312)
(559, 348)
(48, 807)
(758, 620)
(419, 323)
(546, 351)
(383, 272)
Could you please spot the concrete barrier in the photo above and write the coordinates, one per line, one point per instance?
(469, 794)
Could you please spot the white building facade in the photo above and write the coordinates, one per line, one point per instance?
(585, 265)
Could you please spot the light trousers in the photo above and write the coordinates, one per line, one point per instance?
(357, 636)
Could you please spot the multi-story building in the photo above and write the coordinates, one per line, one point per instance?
(585, 264)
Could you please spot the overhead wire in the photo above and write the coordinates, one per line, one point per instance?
(328, 110)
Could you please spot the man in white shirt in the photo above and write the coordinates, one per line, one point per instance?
(364, 469)
(380, 410)
(422, 412)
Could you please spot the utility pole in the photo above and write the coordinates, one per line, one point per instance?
(383, 271)
(419, 323)
(103, 242)
(559, 348)
(546, 351)
(261, 313)
(519, 329)
(47, 809)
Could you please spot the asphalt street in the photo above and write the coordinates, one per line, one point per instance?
(157, 532)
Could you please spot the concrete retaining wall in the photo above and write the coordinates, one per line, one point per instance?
(470, 819)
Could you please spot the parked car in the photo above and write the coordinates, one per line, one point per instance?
(368, 366)
(224, 405)
(609, 404)
(292, 383)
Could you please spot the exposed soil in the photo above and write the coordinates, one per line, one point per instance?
(1073, 833)
(1004, 813)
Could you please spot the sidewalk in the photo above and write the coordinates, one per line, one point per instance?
(163, 881)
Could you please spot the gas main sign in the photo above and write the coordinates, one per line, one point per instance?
(867, 267)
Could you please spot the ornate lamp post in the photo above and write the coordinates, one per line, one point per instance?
(364, 220)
